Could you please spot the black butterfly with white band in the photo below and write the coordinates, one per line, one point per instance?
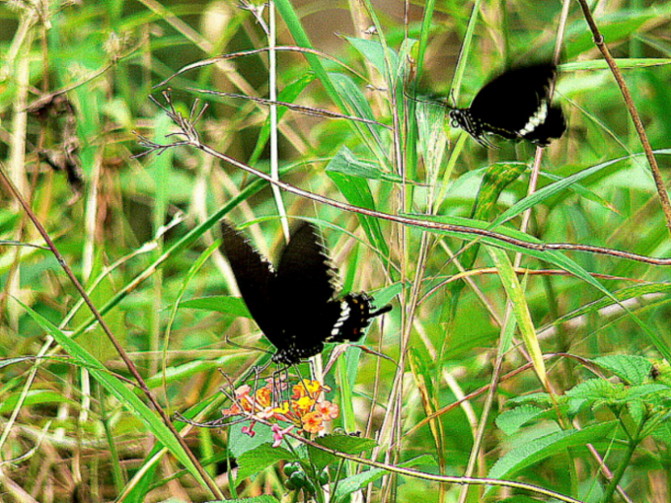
(297, 306)
(515, 105)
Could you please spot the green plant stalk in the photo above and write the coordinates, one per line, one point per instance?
(160, 168)
(272, 91)
(624, 463)
(117, 473)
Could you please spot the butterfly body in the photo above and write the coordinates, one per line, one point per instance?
(296, 305)
(515, 105)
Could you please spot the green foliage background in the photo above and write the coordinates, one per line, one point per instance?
(140, 234)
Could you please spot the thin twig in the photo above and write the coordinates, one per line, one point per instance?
(191, 138)
(409, 472)
(629, 102)
(315, 112)
(233, 55)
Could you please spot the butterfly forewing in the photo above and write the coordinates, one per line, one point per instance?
(255, 277)
(304, 273)
(515, 105)
(308, 281)
(507, 102)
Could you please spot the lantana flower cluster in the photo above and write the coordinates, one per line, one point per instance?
(302, 411)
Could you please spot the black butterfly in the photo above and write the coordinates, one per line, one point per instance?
(515, 105)
(296, 306)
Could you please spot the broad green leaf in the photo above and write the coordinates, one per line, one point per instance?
(357, 192)
(373, 137)
(552, 189)
(348, 485)
(532, 452)
(614, 27)
(520, 309)
(597, 389)
(621, 295)
(264, 498)
(260, 458)
(512, 420)
(373, 51)
(240, 442)
(234, 306)
(347, 163)
(34, 397)
(632, 369)
(288, 94)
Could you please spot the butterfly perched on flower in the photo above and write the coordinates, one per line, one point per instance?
(296, 305)
(515, 105)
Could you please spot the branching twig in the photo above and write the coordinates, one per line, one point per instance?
(192, 139)
(315, 112)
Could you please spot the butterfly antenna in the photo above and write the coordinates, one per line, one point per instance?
(228, 340)
(428, 102)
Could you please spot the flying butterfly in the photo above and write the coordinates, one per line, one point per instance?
(515, 105)
(296, 305)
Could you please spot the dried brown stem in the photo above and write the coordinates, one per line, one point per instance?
(629, 102)
(11, 188)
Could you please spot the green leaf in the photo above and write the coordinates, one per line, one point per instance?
(621, 295)
(260, 458)
(552, 189)
(536, 450)
(119, 389)
(234, 306)
(373, 51)
(663, 432)
(537, 398)
(240, 442)
(348, 485)
(596, 389)
(34, 397)
(357, 192)
(516, 296)
(632, 369)
(373, 137)
(511, 420)
(644, 391)
(264, 498)
(347, 163)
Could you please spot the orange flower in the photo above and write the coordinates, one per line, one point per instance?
(302, 411)
(328, 410)
(313, 422)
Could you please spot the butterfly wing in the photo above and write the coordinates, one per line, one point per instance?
(306, 286)
(516, 104)
(255, 277)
